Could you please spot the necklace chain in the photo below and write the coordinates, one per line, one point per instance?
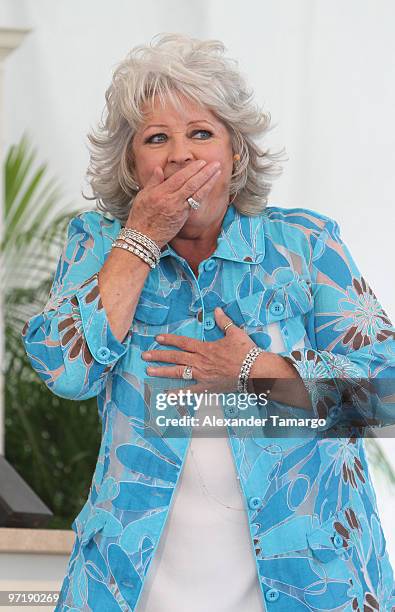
(205, 489)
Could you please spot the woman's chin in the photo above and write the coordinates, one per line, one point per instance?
(192, 228)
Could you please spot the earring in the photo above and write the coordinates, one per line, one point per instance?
(236, 157)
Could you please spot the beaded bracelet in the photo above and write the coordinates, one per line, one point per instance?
(136, 251)
(246, 368)
(136, 236)
(142, 248)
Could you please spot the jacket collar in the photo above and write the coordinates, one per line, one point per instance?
(241, 238)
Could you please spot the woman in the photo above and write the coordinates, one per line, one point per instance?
(185, 274)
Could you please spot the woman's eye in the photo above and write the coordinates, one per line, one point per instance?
(159, 138)
(205, 134)
(155, 138)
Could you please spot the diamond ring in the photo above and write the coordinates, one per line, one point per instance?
(193, 203)
(187, 373)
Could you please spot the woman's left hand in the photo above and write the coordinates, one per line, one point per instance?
(215, 365)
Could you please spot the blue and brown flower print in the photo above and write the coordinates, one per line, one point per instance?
(286, 278)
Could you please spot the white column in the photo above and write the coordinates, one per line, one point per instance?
(10, 39)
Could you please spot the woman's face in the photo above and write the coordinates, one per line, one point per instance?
(173, 138)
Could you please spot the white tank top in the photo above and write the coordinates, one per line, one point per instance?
(205, 558)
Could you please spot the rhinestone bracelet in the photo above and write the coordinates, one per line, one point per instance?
(142, 248)
(129, 232)
(246, 368)
(137, 251)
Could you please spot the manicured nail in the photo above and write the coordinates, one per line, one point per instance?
(160, 338)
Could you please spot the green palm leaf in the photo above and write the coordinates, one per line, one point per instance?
(34, 225)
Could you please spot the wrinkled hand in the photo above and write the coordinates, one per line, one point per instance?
(161, 209)
(215, 365)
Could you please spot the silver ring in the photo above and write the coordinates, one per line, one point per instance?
(187, 373)
(193, 203)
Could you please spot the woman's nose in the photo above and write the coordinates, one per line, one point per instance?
(180, 150)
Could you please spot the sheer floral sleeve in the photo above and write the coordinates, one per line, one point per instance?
(70, 343)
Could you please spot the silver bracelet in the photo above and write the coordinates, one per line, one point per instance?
(143, 248)
(137, 251)
(129, 232)
(246, 368)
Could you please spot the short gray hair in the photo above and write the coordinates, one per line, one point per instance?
(177, 64)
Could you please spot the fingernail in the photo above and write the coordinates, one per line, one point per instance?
(146, 355)
(160, 338)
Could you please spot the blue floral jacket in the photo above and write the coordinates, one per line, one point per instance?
(285, 277)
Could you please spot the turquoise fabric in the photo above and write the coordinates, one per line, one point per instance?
(284, 275)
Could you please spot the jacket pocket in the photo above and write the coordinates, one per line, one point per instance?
(152, 309)
(333, 539)
(151, 315)
(277, 318)
(306, 535)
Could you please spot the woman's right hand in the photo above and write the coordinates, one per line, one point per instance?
(160, 209)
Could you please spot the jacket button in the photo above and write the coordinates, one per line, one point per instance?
(200, 316)
(338, 541)
(272, 595)
(254, 503)
(209, 323)
(247, 258)
(231, 411)
(210, 265)
(103, 352)
(276, 308)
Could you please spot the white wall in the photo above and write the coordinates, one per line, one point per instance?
(325, 71)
